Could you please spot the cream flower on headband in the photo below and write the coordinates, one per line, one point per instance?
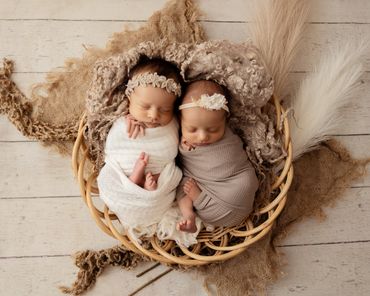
(213, 102)
(155, 80)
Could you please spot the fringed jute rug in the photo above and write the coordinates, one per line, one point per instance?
(52, 114)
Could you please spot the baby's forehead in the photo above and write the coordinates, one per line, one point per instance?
(202, 117)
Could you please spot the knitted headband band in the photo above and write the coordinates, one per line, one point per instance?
(213, 102)
(154, 80)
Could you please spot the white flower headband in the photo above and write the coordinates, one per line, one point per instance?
(154, 80)
(213, 102)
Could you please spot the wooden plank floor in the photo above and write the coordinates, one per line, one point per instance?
(42, 218)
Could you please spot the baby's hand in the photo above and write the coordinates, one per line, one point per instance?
(134, 127)
(186, 145)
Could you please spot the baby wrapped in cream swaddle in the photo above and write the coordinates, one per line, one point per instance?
(143, 212)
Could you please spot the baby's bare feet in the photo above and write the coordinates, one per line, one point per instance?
(150, 182)
(137, 175)
(191, 189)
(187, 225)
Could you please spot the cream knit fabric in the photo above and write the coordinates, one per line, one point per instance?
(143, 212)
(160, 143)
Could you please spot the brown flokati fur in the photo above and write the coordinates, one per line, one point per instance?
(14, 104)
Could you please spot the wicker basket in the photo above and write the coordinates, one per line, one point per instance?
(218, 245)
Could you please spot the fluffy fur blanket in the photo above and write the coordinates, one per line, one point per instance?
(239, 67)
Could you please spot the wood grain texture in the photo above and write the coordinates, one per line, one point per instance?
(328, 11)
(42, 39)
(328, 269)
(44, 220)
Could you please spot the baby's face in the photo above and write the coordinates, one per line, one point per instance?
(152, 106)
(201, 127)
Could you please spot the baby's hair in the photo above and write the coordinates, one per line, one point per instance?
(160, 66)
(206, 84)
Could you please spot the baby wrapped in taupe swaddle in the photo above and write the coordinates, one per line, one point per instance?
(219, 181)
(225, 177)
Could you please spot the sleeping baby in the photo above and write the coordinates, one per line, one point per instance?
(139, 179)
(219, 181)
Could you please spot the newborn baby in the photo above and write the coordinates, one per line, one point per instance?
(139, 179)
(219, 181)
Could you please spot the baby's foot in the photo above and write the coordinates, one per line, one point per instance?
(137, 175)
(150, 182)
(187, 225)
(191, 189)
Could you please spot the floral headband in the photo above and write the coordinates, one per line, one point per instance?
(213, 102)
(154, 80)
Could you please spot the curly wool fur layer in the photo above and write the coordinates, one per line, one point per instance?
(239, 67)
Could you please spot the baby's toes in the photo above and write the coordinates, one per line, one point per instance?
(186, 189)
(188, 182)
(192, 183)
(180, 225)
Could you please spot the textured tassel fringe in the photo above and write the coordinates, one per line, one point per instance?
(93, 263)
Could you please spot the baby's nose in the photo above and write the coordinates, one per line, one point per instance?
(203, 136)
(153, 114)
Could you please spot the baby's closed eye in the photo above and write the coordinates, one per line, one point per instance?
(213, 129)
(145, 107)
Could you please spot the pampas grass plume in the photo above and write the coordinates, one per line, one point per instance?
(319, 102)
(277, 31)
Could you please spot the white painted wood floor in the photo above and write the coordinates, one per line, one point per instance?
(42, 218)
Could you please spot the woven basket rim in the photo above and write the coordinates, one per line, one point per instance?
(217, 241)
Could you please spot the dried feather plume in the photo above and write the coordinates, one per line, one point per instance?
(277, 30)
(322, 95)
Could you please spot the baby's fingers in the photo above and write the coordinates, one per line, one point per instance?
(128, 122)
(136, 131)
(142, 130)
(130, 132)
(132, 129)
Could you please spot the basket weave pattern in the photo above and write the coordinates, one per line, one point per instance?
(218, 245)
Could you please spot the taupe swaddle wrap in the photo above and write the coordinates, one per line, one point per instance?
(225, 176)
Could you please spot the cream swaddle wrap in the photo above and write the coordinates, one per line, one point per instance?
(143, 212)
